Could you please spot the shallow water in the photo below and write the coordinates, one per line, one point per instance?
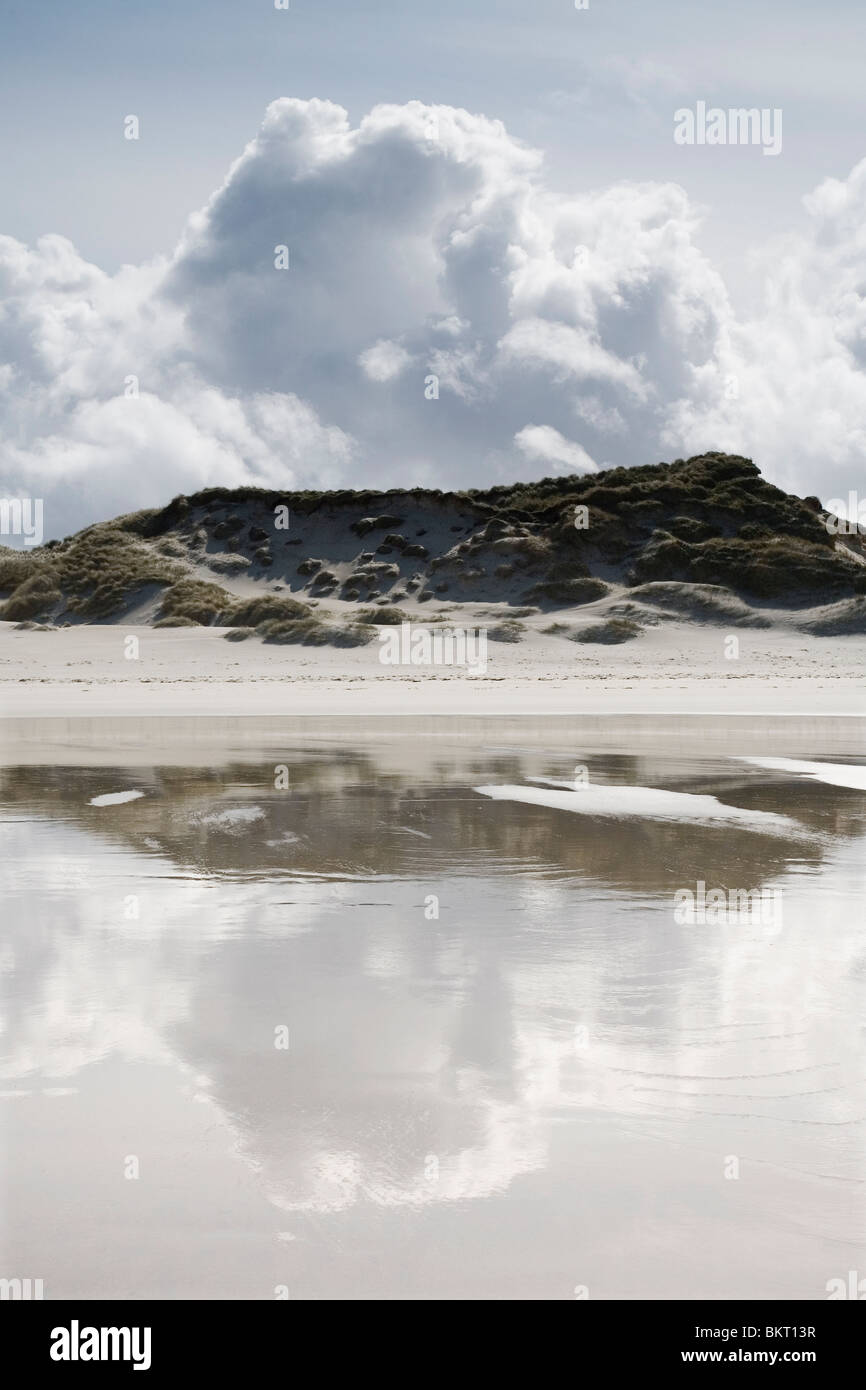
(511, 1072)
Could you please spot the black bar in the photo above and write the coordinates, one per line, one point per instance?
(599, 1339)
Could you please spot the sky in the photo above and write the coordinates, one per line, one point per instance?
(501, 263)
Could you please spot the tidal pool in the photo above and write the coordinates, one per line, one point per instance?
(317, 1018)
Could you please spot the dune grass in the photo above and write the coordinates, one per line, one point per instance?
(384, 616)
(609, 633)
(703, 602)
(508, 631)
(93, 575)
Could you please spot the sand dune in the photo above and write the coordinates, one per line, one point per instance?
(640, 589)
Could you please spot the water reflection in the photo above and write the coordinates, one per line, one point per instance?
(509, 1070)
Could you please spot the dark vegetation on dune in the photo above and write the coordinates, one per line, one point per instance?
(709, 521)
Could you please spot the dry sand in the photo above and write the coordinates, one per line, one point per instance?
(675, 668)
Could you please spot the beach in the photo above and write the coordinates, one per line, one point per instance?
(675, 669)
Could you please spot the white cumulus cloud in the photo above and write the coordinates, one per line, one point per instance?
(545, 444)
(423, 242)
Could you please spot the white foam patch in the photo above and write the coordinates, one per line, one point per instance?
(834, 774)
(644, 803)
(114, 798)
